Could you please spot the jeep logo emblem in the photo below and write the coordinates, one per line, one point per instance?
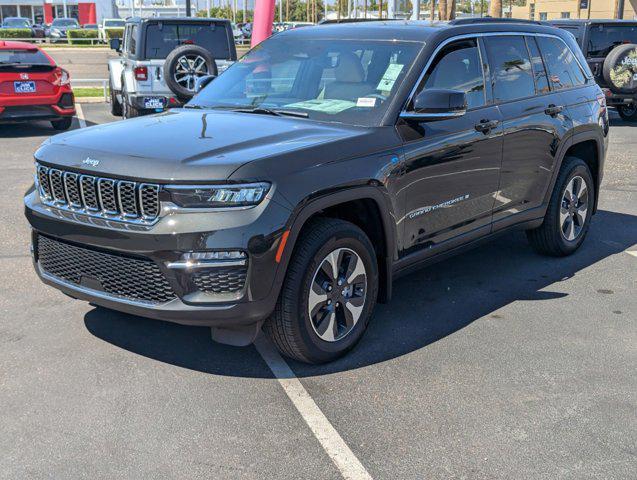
(91, 162)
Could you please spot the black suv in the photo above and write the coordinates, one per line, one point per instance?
(292, 190)
(610, 48)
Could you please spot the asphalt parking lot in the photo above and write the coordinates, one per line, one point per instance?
(496, 364)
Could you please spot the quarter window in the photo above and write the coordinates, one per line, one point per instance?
(564, 71)
(458, 67)
(511, 68)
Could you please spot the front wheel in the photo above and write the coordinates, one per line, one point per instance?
(628, 112)
(328, 294)
(569, 212)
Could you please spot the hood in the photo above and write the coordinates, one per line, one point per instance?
(185, 145)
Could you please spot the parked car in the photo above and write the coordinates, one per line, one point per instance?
(293, 189)
(19, 22)
(237, 33)
(32, 87)
(161, 59)
(108, 23)
(90, 26)
(59, 27)
(610, 48)
(246, 29)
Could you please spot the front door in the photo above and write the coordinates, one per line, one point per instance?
(452, 167)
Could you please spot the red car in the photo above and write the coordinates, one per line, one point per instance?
(33, 87)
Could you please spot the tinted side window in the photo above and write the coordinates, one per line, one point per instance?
(564, 71)
(510, 67)
(539, 72)
(161, 39)
(458, 67)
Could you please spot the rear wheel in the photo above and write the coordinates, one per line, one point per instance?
(116, 107)
(569, 212)
(628, 112)
(63, 124)
(328, 295)
(128, 111)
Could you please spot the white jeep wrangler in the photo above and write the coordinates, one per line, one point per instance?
(161, 59)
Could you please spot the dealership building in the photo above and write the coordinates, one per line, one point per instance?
(44, 11)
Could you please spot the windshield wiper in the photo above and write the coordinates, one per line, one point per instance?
(276, 113)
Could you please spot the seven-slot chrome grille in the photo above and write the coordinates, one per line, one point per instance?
(97, 196)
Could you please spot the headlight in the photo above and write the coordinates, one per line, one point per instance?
(218, 196)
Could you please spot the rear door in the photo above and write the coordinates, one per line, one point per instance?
(534, 121)
(452, 166)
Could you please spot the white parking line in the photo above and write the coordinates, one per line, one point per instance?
(79, 113)
(335, 447)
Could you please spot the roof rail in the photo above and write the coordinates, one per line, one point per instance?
(470, 21)
(355, 20)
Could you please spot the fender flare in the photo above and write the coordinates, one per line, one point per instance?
(310, 206)
(567, 143)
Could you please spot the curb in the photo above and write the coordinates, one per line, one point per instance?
(90, 100)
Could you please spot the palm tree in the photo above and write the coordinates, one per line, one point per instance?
(442, 9)
(496, 8)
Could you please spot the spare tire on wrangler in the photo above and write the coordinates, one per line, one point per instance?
(620, 69)
(184, 65)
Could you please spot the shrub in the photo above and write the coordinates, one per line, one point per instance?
(81, 37)
(114, 33)
(15, 33)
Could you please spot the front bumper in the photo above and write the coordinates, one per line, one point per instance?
(163, 244)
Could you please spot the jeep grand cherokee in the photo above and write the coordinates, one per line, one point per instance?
(292, 190)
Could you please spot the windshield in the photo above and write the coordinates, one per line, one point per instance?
(114, 23)
(28, 57)
(16, 22)
(603, 38)
(64, 22)
(161, 39)
(345, 81)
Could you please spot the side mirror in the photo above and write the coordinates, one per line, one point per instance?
(437, 104)
(116, 44)
(202, 82)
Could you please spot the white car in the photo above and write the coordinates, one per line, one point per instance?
(109, 23)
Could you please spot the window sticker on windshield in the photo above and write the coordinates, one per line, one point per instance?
(324, 105)
(366, 102)
(389, 77)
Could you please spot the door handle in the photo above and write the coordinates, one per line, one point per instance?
(553, 110)
(485, 126)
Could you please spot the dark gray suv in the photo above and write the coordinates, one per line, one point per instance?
(292, 190)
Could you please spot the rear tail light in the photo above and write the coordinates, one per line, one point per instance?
(62, 77)
(141, 73)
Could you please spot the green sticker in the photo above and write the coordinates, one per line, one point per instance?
(323, 106)
(389, 78)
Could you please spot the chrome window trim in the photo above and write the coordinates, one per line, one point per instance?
(482, 35)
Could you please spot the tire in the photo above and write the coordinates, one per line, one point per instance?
(628, 113)
(620, 69)
(63, 124)
(553, 237)
(291, 328)
(194, 53)
(116, 107)
(128, 111)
